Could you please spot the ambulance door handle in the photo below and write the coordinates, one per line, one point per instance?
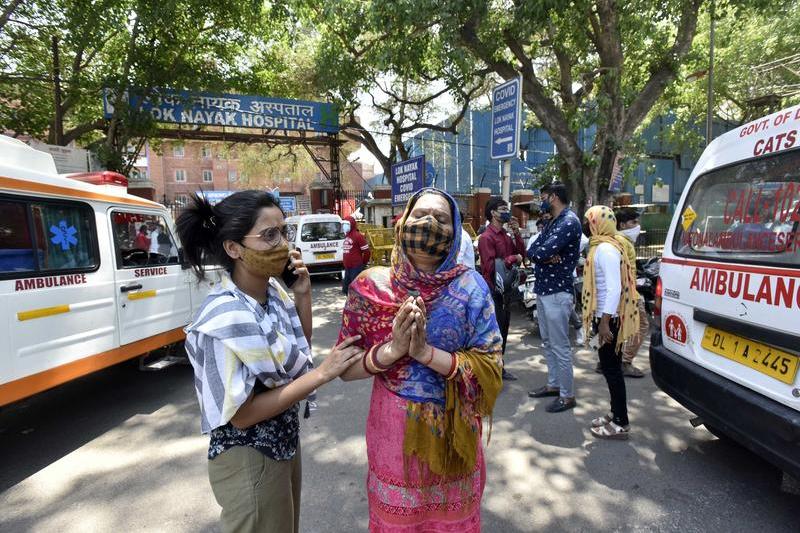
(127, 288)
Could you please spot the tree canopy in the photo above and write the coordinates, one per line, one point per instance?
(419, 63)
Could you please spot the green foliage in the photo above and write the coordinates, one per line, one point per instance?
(136, 45)
(747, 34)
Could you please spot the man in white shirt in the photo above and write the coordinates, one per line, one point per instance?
(466, 254)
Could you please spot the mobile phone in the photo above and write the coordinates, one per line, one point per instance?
(288, 275)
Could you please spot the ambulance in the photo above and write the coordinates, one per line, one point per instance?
(727, 345)
(89, 275)
(320, 239)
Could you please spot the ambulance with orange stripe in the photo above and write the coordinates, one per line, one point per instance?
(728, 297)
(89, 275)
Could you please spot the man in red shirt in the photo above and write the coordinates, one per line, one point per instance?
(495, 243)
(356, 252)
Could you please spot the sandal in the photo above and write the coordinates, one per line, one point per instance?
(602, 420)
(611, 431)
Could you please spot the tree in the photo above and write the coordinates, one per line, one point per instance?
(410, 78)
(586, 62)
(130, 46)
(756, 70)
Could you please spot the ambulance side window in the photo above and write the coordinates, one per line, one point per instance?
(142, 239)
(16, 243)
(65, 236)
(46, 237)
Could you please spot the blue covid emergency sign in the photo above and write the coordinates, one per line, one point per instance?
(506, 116)
(288, 204)
(233, 110)
(407, 178)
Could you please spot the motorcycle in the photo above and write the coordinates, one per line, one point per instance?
(646, 279)
(528, 296)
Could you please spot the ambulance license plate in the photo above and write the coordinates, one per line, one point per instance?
(323, 256)
(765, 359)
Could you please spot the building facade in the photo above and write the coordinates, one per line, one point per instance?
(174, 172)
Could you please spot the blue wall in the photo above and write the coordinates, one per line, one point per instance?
(450, 156)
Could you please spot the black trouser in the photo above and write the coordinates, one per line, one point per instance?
(503, 314)
(611, 365)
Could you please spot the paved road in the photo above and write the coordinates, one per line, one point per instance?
(120, 451)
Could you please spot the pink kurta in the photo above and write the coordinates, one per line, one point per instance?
(425, 502)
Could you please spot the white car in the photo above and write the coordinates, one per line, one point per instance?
(320, 239)
(83, 286)
(728, 297)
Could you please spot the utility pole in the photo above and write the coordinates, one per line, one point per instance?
(710, 94)
(58, 119)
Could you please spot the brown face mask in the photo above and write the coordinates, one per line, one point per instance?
(268, 263)
(427, 235)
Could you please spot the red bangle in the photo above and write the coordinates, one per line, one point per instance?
(374, 359)
(453, 367)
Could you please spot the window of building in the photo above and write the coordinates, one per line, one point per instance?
(205, 152)
(139, 174)
(180, 175)
(181, 200)
(142, 239)
(231, 176)
(42, 236)
(208, 176)
(177, 150)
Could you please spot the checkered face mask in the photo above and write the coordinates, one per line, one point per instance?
(427, 235)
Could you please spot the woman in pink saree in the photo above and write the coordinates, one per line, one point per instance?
(433, 351)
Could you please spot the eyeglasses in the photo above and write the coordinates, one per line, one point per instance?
(272, 236)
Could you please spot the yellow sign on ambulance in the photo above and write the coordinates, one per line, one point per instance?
(687, 218)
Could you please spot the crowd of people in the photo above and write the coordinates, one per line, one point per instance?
(429, 331)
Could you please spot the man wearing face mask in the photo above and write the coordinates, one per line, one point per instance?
(555, 255)
(629, 226)
(495, 243)
(356, 252)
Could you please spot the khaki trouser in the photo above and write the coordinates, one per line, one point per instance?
(256, 493)
(631, 348)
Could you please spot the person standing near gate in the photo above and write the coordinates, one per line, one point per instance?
(611, 310)
(356, 252)
(555, 254)
(496, 243)
(628, 224)
(466, 255)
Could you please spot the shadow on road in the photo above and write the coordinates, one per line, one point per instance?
(44, 428)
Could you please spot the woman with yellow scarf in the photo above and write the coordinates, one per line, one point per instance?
(610, 308)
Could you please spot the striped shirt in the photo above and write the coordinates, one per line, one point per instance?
(234, 342)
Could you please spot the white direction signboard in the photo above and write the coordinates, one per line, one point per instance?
(506, 117)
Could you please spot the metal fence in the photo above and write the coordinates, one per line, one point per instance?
(651, 243)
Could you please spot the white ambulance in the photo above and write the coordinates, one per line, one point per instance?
(320, 239)
(89, 275)
(728, 345)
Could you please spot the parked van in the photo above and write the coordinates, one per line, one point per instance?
(89, 275)
(321, 240)
(728, 342)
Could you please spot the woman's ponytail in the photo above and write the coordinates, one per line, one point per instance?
(197, 228)
(204, 228)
